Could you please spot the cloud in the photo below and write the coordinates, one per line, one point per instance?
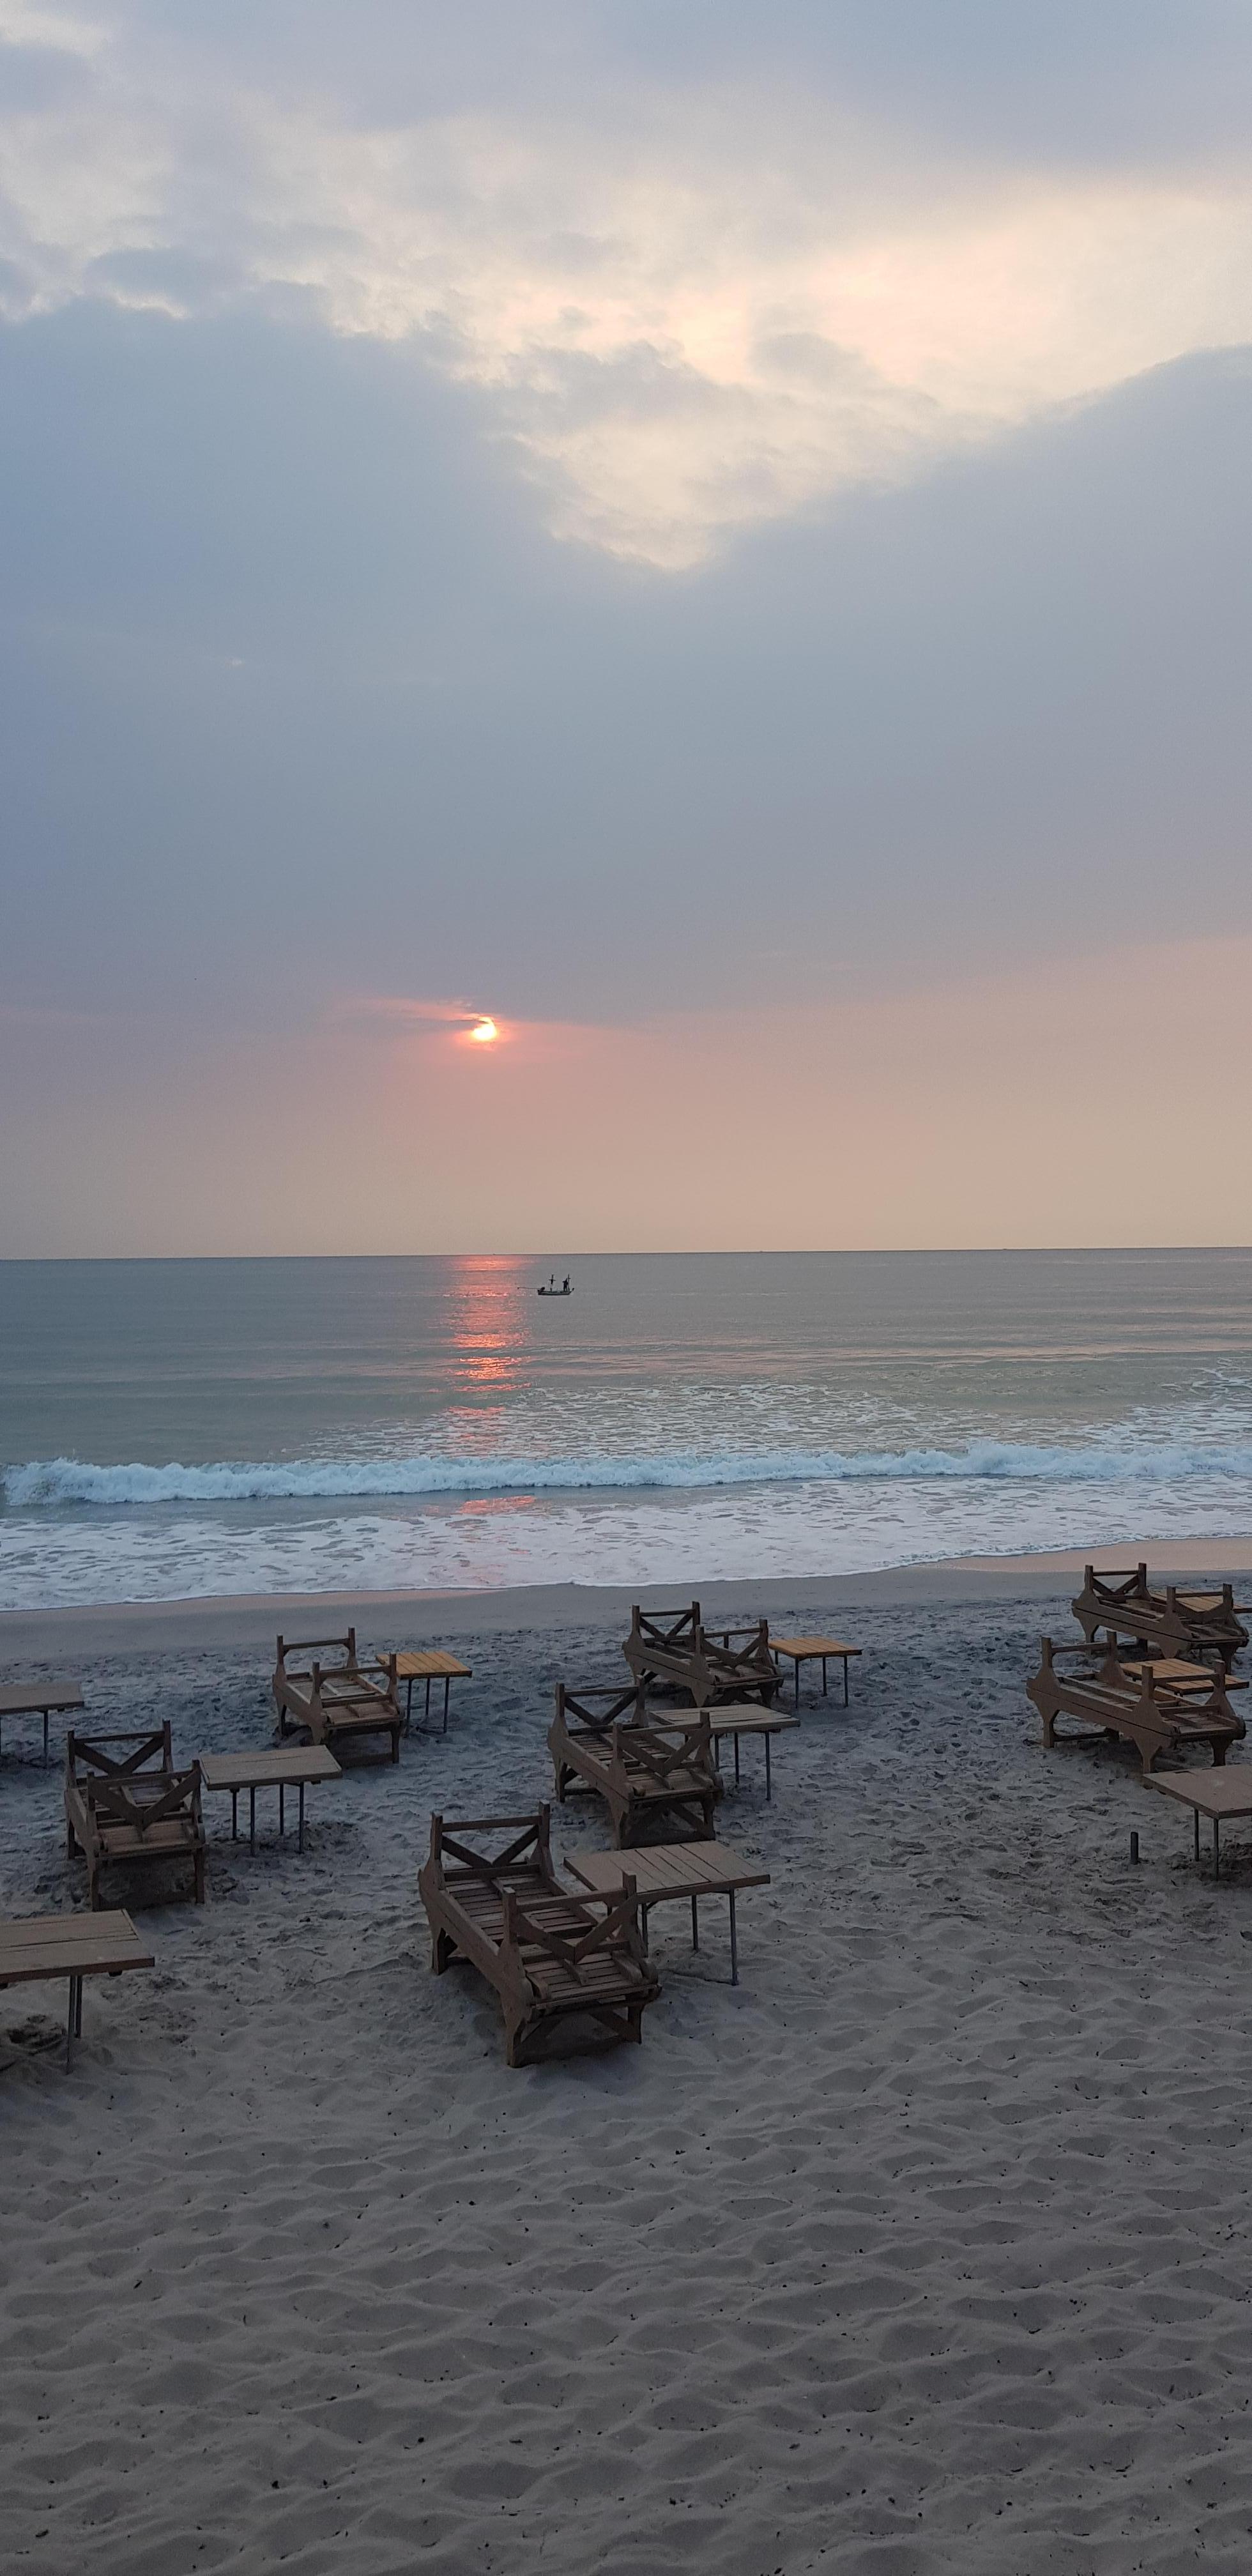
(690, 312)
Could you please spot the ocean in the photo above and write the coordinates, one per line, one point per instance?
(180, 1428)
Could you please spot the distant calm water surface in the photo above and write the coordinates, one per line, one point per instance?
(189, 1427)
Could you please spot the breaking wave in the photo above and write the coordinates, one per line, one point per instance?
(52, 1481)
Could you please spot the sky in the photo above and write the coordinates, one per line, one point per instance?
(712, 537)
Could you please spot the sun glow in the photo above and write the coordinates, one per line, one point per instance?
(485, 1034)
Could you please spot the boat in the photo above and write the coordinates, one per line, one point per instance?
(552, 1289)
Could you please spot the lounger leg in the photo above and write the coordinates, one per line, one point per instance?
(845, 1681)
(301, 1815)
(768, 1787)
(1196, 1813)
(447, 1685)
(736, 1757)
(234, 1815)
(282, 1817)
(824, 1677)
(695, 1923)
(427, 1717)
(45, 1739)
(408, 1701)
(734, 1946)
(1217, 1853)
(797, 1681)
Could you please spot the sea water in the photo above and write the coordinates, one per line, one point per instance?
(177, 1428)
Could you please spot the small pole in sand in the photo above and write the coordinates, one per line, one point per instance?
(1134, 1847)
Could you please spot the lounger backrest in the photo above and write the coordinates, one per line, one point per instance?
(666, 1628)
(93, 1756)
(307, 1645)
(657, 1751)
(118, 1802)
(528, 1846)
(594, 1707)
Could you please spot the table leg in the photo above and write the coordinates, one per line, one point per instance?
(767, 1780)
(408, 1703)
(447, 1685)
(234, 1815)
(282, 1813)
(845, 1681)
(797, 1681)
(427, 1720)
(823, 1677)
(45, 1739)
(695, 1923)
(734, 1946)
(301, 1845)
(252, 1823)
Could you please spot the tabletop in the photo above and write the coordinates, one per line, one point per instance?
(807, 1647)
(288, 1763)
(1220, 1792)
(667, 1869)
(748, 1720)
(430, 1663)
(69, 1945)
(30, 1699)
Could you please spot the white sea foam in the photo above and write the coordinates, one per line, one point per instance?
(61, 1481)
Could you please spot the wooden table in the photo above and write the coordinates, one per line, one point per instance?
(291, 1766)
(748, 1720)
(73, 1946)
(814, 1650)
(430, 1664)
(1220, 1792)
(35, 1699)
(662, 1871)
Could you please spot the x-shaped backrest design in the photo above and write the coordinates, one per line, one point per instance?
(112, 1802)
(618, 1918)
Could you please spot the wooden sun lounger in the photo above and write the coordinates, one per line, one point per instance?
(125, 1804)
(1181, 1620)
(672, 1649)
(644, 1770)
(554, 1959)
(1147, 1713)
(336, 1703)
(39, 1946)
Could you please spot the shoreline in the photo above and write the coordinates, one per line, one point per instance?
(234, 1620)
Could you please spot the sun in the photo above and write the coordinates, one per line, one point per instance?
(485, 1034)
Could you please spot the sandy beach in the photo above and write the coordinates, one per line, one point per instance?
(919, 2251)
